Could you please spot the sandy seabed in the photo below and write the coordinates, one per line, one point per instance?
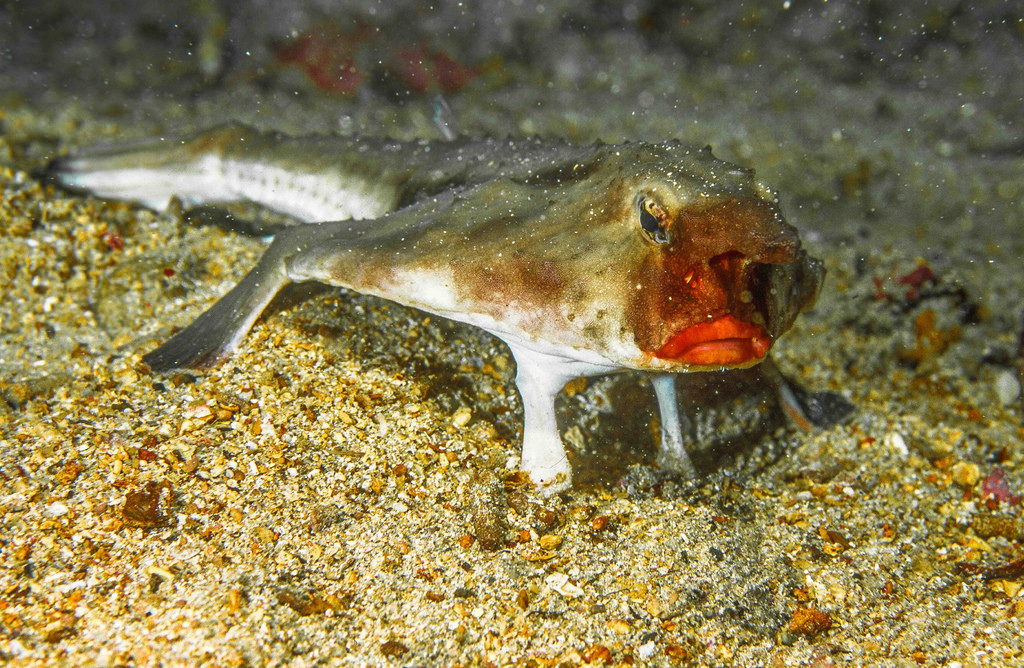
(342, 490)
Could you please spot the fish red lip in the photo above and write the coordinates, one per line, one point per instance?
(724, 341)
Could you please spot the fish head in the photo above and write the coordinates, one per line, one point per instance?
(714, 273)
(649, 256)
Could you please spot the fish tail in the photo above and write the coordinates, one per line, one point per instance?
(298, 176)
(151, 172)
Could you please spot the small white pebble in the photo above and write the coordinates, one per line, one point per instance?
(17, 649)
(161, 573)
(646, 650)
(560, 583)
(895, 440)
(462, 416)
(56, 509)
(1007, 387)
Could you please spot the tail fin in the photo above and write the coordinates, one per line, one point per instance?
(150, 172)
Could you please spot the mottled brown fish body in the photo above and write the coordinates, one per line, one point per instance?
(563, 262)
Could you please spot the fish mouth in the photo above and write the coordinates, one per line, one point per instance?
(722, 342)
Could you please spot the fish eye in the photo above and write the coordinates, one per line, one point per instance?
(652, 220)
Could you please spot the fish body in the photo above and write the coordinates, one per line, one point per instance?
(584, 259)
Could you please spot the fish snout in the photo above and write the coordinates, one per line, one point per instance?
(740, 280)
(752, 227)
(773, 275)
(788, 288)
(782, 247)
(729, 289)
(725, 290)
(769, 290)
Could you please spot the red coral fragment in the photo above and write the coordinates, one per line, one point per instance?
(994, 485)
(422, 70)
(326, 54)
(915, 280)
(113, 239)
(880, 294)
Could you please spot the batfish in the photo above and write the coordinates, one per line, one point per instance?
(583, 259)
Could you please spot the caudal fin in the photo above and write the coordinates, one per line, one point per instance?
(151, 171)
(149, 174)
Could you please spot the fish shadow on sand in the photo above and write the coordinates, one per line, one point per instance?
(734, 424)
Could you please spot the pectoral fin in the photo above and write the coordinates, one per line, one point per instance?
(672, 456)
(807, 410)
(218, 331)
(539, 377)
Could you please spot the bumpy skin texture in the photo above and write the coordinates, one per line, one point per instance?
(565, 261)
(585, 260)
